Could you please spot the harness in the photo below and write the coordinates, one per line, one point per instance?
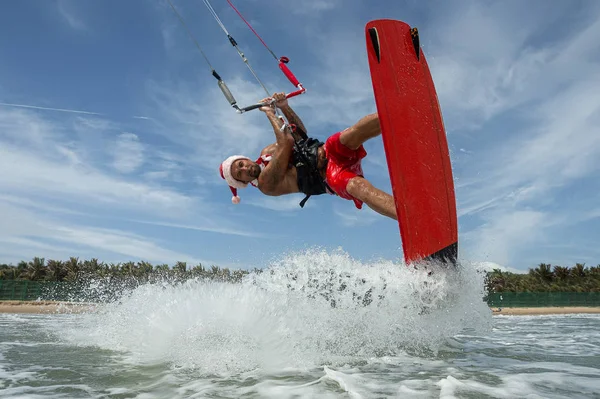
(305, 159)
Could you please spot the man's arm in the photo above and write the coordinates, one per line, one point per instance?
(290, 115)
(294, 119)
(274, 173)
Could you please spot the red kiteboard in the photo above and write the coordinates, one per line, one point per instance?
(415, 143)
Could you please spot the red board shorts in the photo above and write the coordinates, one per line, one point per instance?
(342, 165)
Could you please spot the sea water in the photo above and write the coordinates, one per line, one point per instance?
(315, 324)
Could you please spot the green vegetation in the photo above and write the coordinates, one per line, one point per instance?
(546, 278)
(72, 270)
(75, 280)
(543, 278)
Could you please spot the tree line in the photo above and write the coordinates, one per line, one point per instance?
(74, 270)
(546, 278)
(542, 278)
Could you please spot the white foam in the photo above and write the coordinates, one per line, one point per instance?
(304, 310)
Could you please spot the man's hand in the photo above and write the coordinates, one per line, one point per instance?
(280, 100)
(269, 108)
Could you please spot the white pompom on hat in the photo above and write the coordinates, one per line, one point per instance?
(225, 171)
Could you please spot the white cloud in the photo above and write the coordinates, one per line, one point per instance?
(157, 175)
(349, 216)
(68, 13)
(562, 147)
(53, 179)
(28, 203)
(27, 139)
(120, 242)
(205, 124)
(485, 62)
(504, 233)
(14, 122)
(486, 68)
(313, 7)
(26, 233)
(342, 91)
(208, 225)
(287, 203)
(17, 249)
(167, 166)
(73, 111)
(19, 222)
(57, 189)
(128, 153)
(489, 266)
(593, 214)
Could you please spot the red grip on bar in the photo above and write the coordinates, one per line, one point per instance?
(295, 93)
(288, 73)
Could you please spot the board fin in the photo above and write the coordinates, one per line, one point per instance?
(375, 42)
(414, 34)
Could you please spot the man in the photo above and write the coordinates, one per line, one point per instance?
(296, 163)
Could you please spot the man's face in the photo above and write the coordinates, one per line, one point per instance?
(245, 170)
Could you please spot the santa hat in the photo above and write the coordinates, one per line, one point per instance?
(225, 171)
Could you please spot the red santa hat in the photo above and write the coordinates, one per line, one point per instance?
(225, 171)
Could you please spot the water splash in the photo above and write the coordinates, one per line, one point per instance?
(302, 311)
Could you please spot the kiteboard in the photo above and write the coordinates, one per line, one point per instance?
(414, 141)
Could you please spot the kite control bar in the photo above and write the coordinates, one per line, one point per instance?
(286, 71)
(258, 105)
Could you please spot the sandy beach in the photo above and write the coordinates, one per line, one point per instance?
(44, 307)
(78, 307)
(544, 311)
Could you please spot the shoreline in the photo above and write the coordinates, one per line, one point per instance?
(545, 310)
(49, 307)
(44, 307)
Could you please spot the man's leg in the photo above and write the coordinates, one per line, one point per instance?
(359, 187)
(380, 201)
(366, 128)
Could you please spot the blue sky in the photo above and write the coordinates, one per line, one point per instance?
(112, 128)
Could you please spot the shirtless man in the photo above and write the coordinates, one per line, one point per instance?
(333, 167)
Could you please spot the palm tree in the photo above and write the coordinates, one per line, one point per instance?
(145, 268)
(543, 272)
(128, 269)
(21, 268)
(162, 270)
(35, 270)
(180, 268)
(91, 267)
(579, 270)
(496, 281)
(56, 270)
(73, 267)
(114, 269)
(8, 272)
(198, 271)
(561, 272)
